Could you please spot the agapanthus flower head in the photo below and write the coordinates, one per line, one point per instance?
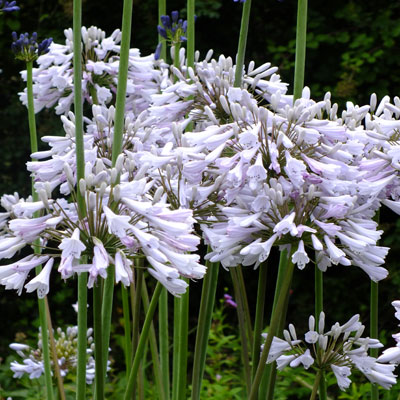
(66, 351)
(8, 6)
(27, 48)
(173, 29)
(339, 349)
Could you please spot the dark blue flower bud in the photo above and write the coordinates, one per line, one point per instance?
(184, 26)
(157, 53)
(166, 21)
(162, 31)
(174, 16)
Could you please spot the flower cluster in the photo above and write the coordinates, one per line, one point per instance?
(340, 349)
(256, 170)
(27, 48)
(53, 79)
(66, 349)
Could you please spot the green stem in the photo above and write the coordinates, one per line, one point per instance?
(163, 339)
(244, 28)
(106, 313)
(190, 45)
(136, 295)
(142, 342)
(45, 348)
(301, 39)
(162, 10)
(269, 377)
(122, 80)
(153, 347)
(319, 306)
(80, 171)
(98, 340)
(316, 384)
(260, 309)
(127, 327)
(273, 328)
(60, 383)
(204, 323)
(35, 197)
(31, 109)
(82, 336)
(374, 329)
(182, 348)
(78, 105)
(242, 327)
(175, 345)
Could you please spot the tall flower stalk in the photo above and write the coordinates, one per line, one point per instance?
(301, 39)
(207, 301)
(80, 166)
(241, 51)
(35, 197)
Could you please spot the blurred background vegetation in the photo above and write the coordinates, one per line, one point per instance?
(353, 50)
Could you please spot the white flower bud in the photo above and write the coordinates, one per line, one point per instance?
(117, 193)
(120, 162)
(114, 176)
(82, 187)
(92, 201)
(321, 322)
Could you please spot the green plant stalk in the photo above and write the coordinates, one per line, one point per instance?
(153, 347)
(139, 263)
(35, 197)
(274, 325)
(259, 320)
(301, 39)
(175, 345)
(190, 44)
(80, 171)
(127, 328)
(319, 306)
(182, 345)
(207, 302)
(374, 329)
(108, 294)
(267, 387)
(242, 327)
(162, 10)
(142, 342)
(273, 372)
(164, 339)
(243, 297)
(122, 80)
(106, 312)
(244, 28)
(316, 385)
(57, 372)
(98, 339)
(45, 346)
(82, 336)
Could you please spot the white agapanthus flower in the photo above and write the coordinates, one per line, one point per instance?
(340, 349)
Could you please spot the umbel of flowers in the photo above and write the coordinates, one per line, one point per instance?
(249, 166)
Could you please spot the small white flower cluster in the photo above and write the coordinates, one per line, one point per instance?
(340, 349)
(53, 79)
(66, 349)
